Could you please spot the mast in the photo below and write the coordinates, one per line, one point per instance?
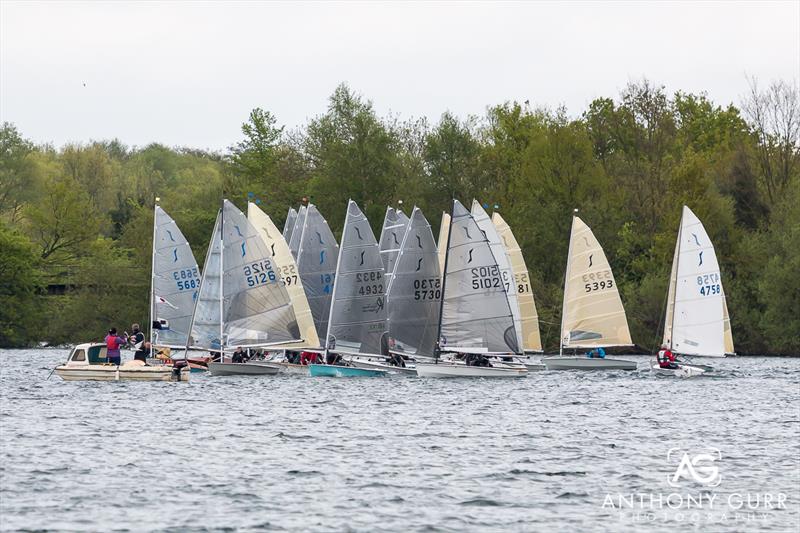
(221, 280)
(566, 278)
(153, 275)
(335, 279)
(444, 280)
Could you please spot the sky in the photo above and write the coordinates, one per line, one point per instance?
(188, 73)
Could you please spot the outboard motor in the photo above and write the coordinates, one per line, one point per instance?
(177, 369)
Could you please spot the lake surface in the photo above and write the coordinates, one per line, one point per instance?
(556, 451)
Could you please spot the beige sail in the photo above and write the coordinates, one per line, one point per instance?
(592, 314)
(288, 271)
(531, 340)
(444, 231)
(726, 327)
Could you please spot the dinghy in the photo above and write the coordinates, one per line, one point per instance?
(592, 314)
(414, 294)
(696, 322)
(251, 308)
(88, 362)
(358, 322)
(317, 254)
(475, 312)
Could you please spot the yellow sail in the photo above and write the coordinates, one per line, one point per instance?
(726, 327)
(531, 339)
(592, 314)
(287, 268)
(444, 232)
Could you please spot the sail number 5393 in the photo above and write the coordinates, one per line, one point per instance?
(597, 281)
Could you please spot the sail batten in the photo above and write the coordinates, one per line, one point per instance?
(358, 322)
(592, 313)
(414, 291)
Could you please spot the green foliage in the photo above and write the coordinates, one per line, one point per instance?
(79, 220)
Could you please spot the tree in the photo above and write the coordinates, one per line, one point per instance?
(20, 283)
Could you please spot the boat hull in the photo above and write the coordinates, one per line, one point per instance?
(447, 370)
(367, 364)
(242, 369)
(343, 371)
(121, 373)
(585, 363)
(685, 371)
(288, 368)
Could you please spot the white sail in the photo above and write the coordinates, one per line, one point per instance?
(415, 290)
(358, 320)
(697, 301)
(531, 338)
(287, 269)
(176, 283)
(316, 261)
(476, 316)
(592, 313)
(501, 257)
(207, 318)
(441, 243)
(297, 232)
(288, 226)
(258, 311)
(394, 227)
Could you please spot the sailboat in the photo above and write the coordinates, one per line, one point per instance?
(476, 317)
(394, 227)
(413, 298)
(531, 338)
(317, 254)
(174, 285)
(358, 322)
(287, 269)
(592, 315)
(242, 300)
(697, 322)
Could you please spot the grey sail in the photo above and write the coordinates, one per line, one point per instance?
(207, 317)
(176, 283)
(358, 319)
(297, 232)
(258, 310)
(288, 226)
(316, 263)
(503, 261)
(476, 316)
(394, 227)
(415, 290)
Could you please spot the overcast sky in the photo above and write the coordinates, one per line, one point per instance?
(187, 74)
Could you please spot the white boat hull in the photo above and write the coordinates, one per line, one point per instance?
(242, 369)
(684, 371)
(447, 370)
(585, 363)
(375, 365)
(121, 373)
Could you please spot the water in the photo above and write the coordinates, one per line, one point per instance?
(397, 454)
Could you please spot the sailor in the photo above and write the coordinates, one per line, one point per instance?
(665, 358)
(596, 353)
(238, 355)
(139, 344)
(308, 358)
(113, 343)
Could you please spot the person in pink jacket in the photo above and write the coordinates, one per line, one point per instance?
(113, 344)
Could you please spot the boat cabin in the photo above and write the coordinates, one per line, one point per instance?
(87, 354)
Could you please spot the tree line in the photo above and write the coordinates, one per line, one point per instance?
(76, 221)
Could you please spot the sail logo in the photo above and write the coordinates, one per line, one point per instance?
(699, 467)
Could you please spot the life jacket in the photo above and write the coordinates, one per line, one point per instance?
(112, 342)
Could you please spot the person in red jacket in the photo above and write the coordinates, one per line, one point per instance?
(308, 358)
(113, 344)
(665, 358)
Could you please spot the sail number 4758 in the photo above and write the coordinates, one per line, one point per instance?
(709, 284)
